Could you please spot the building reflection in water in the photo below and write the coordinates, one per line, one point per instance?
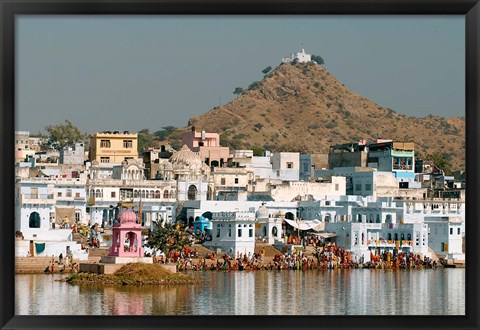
(326, 292)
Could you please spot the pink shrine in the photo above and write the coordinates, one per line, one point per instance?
(126, 236)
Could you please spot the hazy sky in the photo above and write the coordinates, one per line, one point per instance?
(134, 72)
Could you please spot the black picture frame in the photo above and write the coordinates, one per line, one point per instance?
(11, 8)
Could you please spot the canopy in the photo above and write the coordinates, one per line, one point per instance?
(315, 224)
(326, 235)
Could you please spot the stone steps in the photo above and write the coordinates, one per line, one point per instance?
(270, 251)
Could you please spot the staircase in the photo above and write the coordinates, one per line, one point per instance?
(202, 250)
(36, 265)
(270, 251)
(94, 254)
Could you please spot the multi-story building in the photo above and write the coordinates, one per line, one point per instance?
(233, 233)
(113, 147)
(207, 146)
(73, 155)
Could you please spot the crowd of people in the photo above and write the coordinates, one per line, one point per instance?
(329, 256)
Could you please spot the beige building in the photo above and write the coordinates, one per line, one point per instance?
(108, 147)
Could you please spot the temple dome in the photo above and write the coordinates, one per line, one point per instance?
(127, 216)
(262, 212)
(186, 156)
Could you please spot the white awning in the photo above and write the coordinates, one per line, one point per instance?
(315, 225)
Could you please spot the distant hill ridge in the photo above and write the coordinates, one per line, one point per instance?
(302, 107)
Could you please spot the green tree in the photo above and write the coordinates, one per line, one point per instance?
(167, 238)
(164, 133)
(145, 140)
(441, 160)
(238, 91)
(317, 59)
(63, 135)
(267, 70)
(257, 151)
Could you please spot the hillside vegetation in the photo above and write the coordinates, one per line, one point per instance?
(302, 107)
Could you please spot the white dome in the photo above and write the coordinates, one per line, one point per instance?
(262, 212)
(186, 159)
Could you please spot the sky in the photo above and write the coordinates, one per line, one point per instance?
(135, 72)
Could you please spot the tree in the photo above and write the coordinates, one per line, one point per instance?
(267, 70)
(257, 151)
(164, 133)
(63, 135)
(441, 160)
(145, 140)
(238, 91)
(167, 238)
(317, 59)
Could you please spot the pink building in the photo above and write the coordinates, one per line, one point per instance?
(207, 146)
(127, 236)
(194, 139)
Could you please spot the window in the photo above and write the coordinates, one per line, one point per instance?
(222, 181)
(305, 167)
(358, 187)
(229, 232)
(77, 195)
(34, 192)
(104, 159)
(337, 187)
(458, 231)
(105, 144)
(239, 232)
(451, 231)
(112, 194)
(218, 232)
(368, 186)
(289, 165)
(69, 192)
(59, 194)
(236, 180)
(127, 143)
(250, 233)
(165, 194)
(192, 193)
(77, 215)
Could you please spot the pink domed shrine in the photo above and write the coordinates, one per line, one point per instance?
(126, 236)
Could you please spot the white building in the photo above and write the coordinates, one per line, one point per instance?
(268, 227)
(301, 57)
(233, 233)
(35, 218)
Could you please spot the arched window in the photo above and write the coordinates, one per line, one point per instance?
(289, 216)
(98, 193)
(165, 194)
(92, 193)
(143, 194)
(172, 194)
(359, 217)
(389, 236)
(151, 194)
(396, 236)
(136, 194)
(328, 217)
(409, 236)
(157, 194)
(192, 193)
(34, 220)
(378, 218)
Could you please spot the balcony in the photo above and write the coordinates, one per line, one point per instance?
(388, 243)
(37, 199)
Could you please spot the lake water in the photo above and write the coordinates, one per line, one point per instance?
(322, 292)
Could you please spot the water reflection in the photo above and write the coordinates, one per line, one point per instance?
(338, 292)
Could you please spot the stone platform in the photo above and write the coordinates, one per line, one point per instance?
(125, 260)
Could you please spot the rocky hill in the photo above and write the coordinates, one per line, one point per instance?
(302, 107)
